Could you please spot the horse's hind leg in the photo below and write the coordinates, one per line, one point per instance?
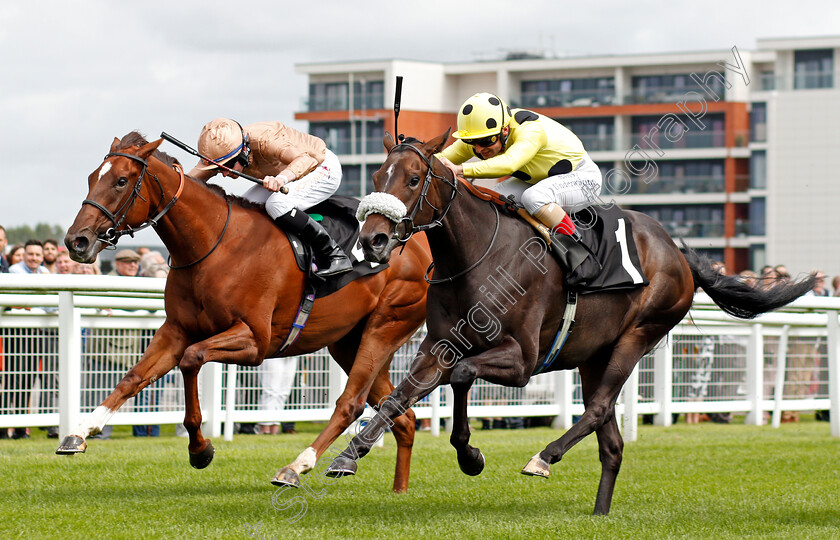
(235, 346)
(610, 451)
(601, 383)
(348, 407)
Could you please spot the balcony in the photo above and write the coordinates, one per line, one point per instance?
(688, 139)
(598, 143)
(802, 80)
(667, 94)
(572, 98)
(681, 184)
(344, 145)
(694, 229)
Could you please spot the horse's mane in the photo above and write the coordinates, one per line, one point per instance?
(136, 139)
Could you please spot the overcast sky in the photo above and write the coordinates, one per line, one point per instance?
(77, 74)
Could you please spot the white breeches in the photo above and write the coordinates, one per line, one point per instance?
(573, 191)
(304, 193)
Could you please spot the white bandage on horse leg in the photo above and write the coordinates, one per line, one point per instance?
(305, 462)
(94, 422)
(381, 203)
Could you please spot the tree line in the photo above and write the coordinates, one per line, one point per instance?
(41, 231)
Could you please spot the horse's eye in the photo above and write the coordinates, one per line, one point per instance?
(413, 181)
(122, 181)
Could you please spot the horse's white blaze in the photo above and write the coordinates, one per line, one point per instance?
(94, 422)
(305, 461)
(104, 170)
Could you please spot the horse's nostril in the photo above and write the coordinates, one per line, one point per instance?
(379, 241)
(80, 244)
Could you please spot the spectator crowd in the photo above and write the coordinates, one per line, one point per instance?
(28, 358)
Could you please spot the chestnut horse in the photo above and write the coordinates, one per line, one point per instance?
(494, 310)
(234, 291)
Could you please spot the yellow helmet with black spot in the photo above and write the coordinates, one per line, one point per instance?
(482, 115)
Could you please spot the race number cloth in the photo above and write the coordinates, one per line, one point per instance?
(338, 216)
(609, 235)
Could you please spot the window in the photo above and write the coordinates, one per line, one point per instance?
(328, 97)
(568, 92)
(758, 170)
(813, 69)
(758, 122)
(673, 88)
(594, 133)
(351, 179)
(758, 215)
(335, 134)
(699, 221)
(368, 95)
(651, 131)
(682, 176)
(374, 131)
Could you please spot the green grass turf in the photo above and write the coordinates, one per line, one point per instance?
(700, 481)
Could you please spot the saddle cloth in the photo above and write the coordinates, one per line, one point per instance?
(338, 216)
(608, 234)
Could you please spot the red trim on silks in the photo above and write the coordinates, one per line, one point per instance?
(566, 226)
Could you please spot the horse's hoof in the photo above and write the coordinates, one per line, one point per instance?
(537, 467)
(472, 465)
(341, 466)
(286, 477)
(71, 445)
(202, 459)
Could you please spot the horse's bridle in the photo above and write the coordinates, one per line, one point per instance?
(438, 222)
(408, 221)
(113, 234)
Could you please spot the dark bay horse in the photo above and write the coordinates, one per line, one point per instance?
(494, 308)
(233, 293)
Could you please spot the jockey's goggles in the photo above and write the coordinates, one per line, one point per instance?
(484, 142)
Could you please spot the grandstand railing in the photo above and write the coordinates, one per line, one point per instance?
(71, 338)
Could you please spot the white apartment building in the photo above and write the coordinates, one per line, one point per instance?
(733, 150)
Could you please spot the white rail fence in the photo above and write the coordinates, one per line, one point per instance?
(67, 340)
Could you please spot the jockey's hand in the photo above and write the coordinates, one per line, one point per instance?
(457, 170)
(274, 183)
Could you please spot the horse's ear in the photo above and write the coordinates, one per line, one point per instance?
(388, 141)
(114, 144)
(437, 144)
(147, 149)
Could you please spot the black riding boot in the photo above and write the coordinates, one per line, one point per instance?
(329, 256)
(570, 249)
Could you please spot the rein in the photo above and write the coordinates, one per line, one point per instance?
(408, 221)
(219, 241)
(411, 228)
(113, 234)
(473, 265)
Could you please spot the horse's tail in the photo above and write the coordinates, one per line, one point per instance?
(738, 298)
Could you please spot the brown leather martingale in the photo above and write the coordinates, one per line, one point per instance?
(488, 194)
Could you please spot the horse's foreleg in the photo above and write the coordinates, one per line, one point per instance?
(158, 360)
(233, 346)
(425, 375)
(502, 364)
(403, 430)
